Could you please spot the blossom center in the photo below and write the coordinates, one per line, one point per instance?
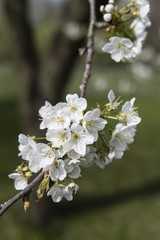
(74, 137)
(90, 125)
(119, 45)
(62, 138)
(56, 164)
(73, 108)
(49, 154)
(60, 120)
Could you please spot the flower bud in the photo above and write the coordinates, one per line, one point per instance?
(28, 174)
(101, 8)
(25, 169)
(26, 202)
(111, 1)
(107, 17)
(109, 8)
(26, 205)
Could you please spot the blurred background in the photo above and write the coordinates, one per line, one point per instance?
(39, 61)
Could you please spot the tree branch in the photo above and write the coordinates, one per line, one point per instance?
(10, 202)
(90, 48)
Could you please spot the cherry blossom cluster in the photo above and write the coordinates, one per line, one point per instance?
(126, 29)
(75, 138)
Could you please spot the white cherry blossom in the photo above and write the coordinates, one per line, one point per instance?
(57, 170)
(78, 140)
(121, 137)
(76, 106)
(139, 25)
(69, 190)
(57, 137)
(102, 160)
(58, 120)
(45, 112)
(143, 7)
(116, 153)
(119, 48)
(59, 191)
(138, 44)
(27, 146)
(89, 158)
(93, 123)
(72, 168)
(42, 158)
(73, 155)
(60, 152)
(20, 181)
(113, 104)
(128, 114)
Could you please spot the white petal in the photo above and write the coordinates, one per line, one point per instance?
(144, 10)
(127, 42)
(20, 183)
(71, 97)
(108, 47)
(75, 173)
(80, 148)
(126, 107)
(13, 175)
(111, 96)
(117, 56)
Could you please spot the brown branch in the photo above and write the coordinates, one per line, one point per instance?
(28, 189)
(90, 48)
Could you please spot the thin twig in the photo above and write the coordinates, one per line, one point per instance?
(90, 48)
(10, 202)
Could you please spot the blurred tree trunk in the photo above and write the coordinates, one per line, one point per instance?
(41, 81)
(24, 51)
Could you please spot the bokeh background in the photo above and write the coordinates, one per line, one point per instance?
(39, 61)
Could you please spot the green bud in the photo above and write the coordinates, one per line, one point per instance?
(44, 186)
(28, 174)
(25, 169)
(33, 137)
